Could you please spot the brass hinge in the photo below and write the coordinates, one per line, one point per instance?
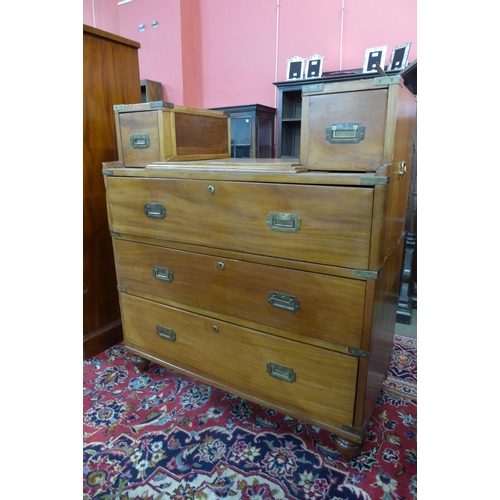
(107, 171)
(352, 430)
(358, 352)
(118, 107)
(361, 273)
(373, 180)
(387, 80)
(401, 169)
(115, 234)
(121, 288)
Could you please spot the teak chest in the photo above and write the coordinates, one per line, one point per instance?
(266, 279)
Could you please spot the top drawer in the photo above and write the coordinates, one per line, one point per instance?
(323, 224)
(161, 132)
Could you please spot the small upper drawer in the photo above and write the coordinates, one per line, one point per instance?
(322, 224)
(356, 126)
(324, 307)
(344, 130)
(308, 380)
(161, 132)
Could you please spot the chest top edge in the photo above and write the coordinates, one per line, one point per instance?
(381, 177)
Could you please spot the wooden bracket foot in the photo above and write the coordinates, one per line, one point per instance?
(347, 447)
(141, 363)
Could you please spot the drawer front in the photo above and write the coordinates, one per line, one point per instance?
(346, 130)
(140, 140)
(308, 380)
(325, 307)
(322, 224)
(164, 135)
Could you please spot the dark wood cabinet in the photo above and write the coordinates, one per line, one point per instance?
(408, 287)
(252, 130)
(150, 91)
(289, 120)
(110, 76)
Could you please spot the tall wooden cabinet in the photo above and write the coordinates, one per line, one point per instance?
(110, 76)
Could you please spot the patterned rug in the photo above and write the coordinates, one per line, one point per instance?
(160, 435)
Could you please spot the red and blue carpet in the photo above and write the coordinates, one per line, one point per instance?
(160, 435)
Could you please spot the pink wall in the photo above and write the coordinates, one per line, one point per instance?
(238, 52)
(212, 53)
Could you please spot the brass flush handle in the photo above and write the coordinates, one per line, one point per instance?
(281, 372)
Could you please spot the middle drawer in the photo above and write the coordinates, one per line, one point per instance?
(324, 307)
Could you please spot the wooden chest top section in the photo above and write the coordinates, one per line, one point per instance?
(321, 224)
(161, 132)
(351, 126)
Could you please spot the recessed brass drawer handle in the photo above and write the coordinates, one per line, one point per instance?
(283, 301)
(155, 210)
(281, 372)
(289, 223)
(162, 273)
(344, 133)
(139, 141)
(165, 333)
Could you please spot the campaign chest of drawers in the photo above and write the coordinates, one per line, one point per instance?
(260, 277)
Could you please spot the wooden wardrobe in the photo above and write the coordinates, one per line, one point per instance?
(110, 76)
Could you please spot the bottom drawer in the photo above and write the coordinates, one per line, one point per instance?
(305, 380)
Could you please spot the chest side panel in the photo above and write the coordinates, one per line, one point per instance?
(197, 134)
(322, 224)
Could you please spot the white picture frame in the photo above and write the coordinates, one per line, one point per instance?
(314, 66)
(374, 56)
(399, 57)
(295, 68)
